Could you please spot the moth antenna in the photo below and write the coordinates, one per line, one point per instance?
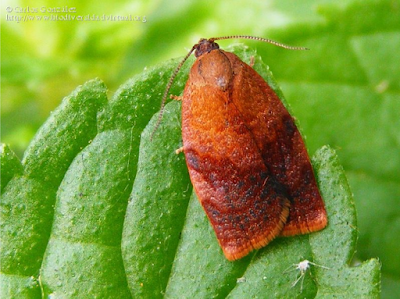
(259, 39)
(171, 80)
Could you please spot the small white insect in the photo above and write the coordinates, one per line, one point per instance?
(303, 266)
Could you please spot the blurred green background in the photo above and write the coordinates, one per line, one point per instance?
(345, 91)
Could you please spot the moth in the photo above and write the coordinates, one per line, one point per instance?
(246, 158)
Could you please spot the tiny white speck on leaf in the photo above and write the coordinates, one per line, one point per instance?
(302, 266)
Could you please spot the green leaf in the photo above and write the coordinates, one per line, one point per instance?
(124, 224)
(85, 245)
(159, 243)
(10, 165)
(340, 279)
(157, 207)
(28, 199)
(344, 91)
(15, 286)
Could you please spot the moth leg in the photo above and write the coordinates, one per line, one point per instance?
(252, 61)
(179, 150)
(176, 98)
